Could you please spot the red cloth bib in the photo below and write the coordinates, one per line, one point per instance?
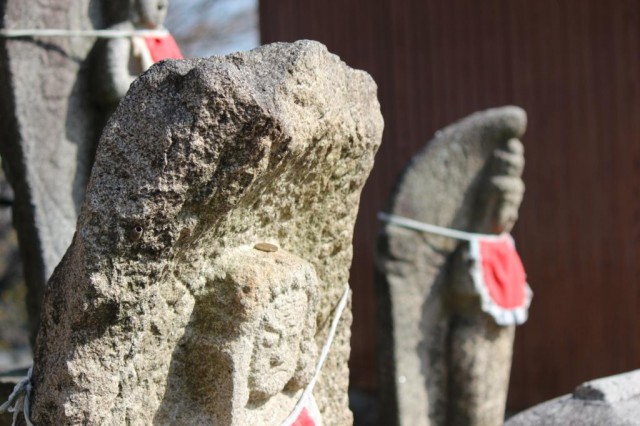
(500, 279)
(163, 48)
(309, 415)
(304, 419)
(503, 273)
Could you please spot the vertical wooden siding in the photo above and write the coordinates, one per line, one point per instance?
(574, 66)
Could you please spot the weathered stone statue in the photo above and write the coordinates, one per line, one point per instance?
(255, 328)
(611, 401)
(117, 62)
(56, 94)
(213, 246)
(443, 360)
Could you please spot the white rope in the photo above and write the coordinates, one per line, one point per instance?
(323, 357)
(21, 395)
(433, 229)
(50, 32)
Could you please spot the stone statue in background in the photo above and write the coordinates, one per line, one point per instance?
(57, 93)
(50, 130)
(443, 360)
(119, 61)
(166, 308)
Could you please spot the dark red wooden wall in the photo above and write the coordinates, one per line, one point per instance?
(574, 65)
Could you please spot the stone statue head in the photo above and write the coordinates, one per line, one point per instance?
(148, 13)
(502, 189)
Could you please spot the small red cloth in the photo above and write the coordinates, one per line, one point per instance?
(304, 419)
(309, 415)
(499, 278)
(503, 273)
(163, 48)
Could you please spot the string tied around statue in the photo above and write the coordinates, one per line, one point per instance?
(20, 400)
(496, 269)
(152, 45)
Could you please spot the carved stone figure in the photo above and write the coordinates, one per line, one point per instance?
(119, 61)
(163, 310)
(255, 327)
(442, 359)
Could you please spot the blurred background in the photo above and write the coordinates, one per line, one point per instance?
(573, 65)
(213, 27)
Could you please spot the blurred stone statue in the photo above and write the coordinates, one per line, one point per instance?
(253, 341)
(119, 60)
(450, 285)
(58, 93)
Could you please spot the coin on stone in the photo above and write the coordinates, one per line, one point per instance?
(266, 247)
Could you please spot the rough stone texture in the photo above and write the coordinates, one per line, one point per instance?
(50, 128)
(441, 360)
(161, 291)
(611, 401)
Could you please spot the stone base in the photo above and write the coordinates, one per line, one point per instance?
(611, 401)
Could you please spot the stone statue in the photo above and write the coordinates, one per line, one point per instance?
(442, 359)
(119, 61)
(50, 130)
(213, 247)
(262, 337)
(51, 118)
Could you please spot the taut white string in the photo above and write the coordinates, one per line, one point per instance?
(52, 32)
(433, 229)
